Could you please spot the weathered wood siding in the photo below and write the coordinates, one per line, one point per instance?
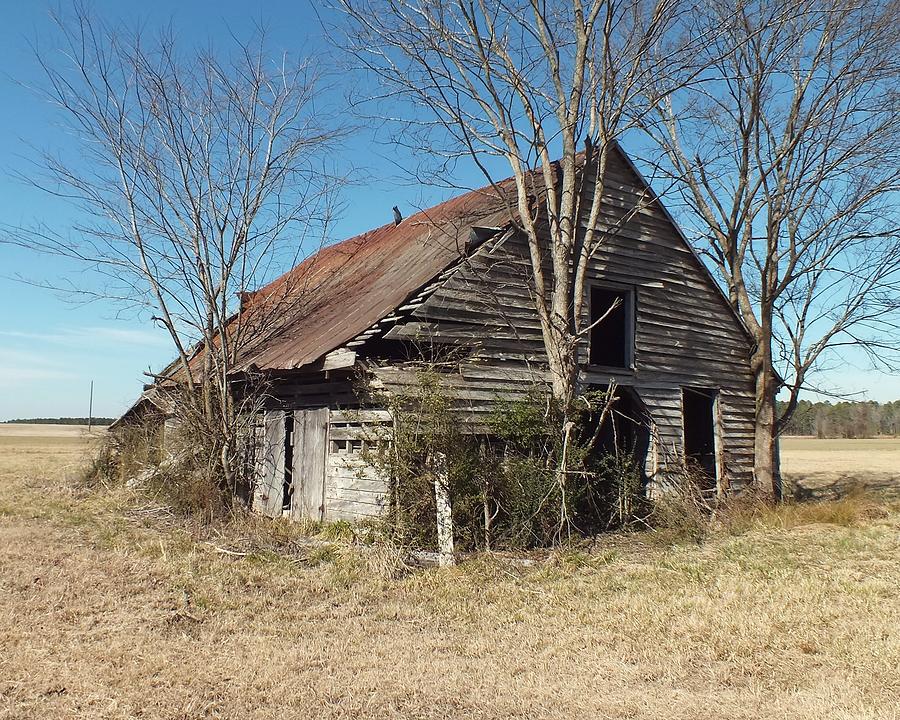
(309, 448)
(268, 492)
(312, 389)
(354, 488)
(685, 335)
(331, 480)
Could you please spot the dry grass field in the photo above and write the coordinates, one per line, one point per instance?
(112, 608)
(829, 468)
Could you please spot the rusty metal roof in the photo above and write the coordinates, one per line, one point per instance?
(345, 288)
(155, 398)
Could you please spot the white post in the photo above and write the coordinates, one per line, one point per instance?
(444, 511)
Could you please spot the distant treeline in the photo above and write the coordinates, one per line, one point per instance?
(62, 421)
(821, 419)
(844, 419)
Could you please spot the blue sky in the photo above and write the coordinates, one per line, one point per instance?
(52, 348)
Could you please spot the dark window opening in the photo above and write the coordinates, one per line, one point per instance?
(698, 413)
(612, 339)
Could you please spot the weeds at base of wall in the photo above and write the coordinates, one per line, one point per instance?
(535, 477)
(172, 491)
(684, 513)
(123, 454)
(133, 456)
(349, 554)
(504, 490)
(506, 495)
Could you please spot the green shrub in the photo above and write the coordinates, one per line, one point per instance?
(536, 477)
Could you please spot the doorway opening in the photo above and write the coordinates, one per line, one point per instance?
(288, 485)
(619, 443)
(698, 412)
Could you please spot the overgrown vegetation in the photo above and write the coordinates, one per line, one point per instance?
(113, 607)
(503, 482)
(176, 471)
(532, 476)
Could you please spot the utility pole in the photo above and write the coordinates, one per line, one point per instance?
(91, 408)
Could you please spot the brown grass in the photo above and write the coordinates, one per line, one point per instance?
(111, 608)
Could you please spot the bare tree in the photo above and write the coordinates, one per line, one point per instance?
(546, 88)
(788, 157)
(197, 174)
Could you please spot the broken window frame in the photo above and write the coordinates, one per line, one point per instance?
(629, 296)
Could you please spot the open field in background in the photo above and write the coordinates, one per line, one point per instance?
(44, 430)
(112, 608)
(830, 468)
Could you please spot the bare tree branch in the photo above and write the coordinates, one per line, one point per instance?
(787, 152)
(197, 175)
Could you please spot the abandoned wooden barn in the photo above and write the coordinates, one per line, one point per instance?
(456, 276)
(152, 413)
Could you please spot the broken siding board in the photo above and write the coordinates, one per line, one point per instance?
(377, 499)
(352, 511)
(361, 416)
(336, 432)
(354, 484)
(455, 309)
(359, 497)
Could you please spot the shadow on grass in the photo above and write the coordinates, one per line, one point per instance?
(805, 487)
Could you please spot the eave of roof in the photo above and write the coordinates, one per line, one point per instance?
(153, 396)
(345, 288)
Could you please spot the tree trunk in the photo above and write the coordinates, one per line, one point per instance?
(766, 471)
(562, 361)
(564, 374)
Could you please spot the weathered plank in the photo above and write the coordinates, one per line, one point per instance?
(308, 473)
(354, 488)
(268, 492)
(360, 416)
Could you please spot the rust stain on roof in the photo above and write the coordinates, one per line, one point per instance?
(345, 288)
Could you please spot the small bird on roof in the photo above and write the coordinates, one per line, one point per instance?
(398, 218)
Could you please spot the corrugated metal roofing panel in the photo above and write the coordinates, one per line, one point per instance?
(345, 288)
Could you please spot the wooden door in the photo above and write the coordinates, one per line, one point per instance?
(268, 493)
(308, 467)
